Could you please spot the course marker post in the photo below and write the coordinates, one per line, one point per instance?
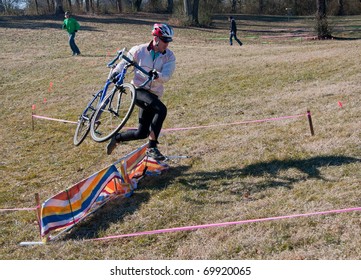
(310, 122)
(32, 116)
(38, 211)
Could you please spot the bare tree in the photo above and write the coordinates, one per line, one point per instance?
(136, 5)
(78, 4)
(86, 6)
(260, 6)
(195, 11)
(119, 6)
(191, 11)
(58, 7)
(170, 6)
(323, 31)
(7, 6)
(233, 6)
(49, 5)
(69, 4)
(341, 8)
(186, 6)
(36, 6)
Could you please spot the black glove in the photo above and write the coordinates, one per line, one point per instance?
(154, 74)
(113, 78)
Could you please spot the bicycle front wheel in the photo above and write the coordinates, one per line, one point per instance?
(113, 112)
(84, 120)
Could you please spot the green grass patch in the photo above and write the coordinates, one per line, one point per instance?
(236, 172)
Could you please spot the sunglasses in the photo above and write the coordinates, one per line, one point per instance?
(165, 40)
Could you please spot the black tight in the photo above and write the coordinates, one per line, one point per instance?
(152, 113)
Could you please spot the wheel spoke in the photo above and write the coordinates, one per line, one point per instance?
(113, 112)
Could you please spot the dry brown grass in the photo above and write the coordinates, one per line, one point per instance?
(235, 173)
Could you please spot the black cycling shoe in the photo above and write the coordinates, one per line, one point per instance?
(154, 153)
(112, 145)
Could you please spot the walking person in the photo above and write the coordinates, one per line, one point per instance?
(233, 32)
(71, 26)
(160, 61)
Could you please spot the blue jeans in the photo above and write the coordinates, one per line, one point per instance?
(72, 44)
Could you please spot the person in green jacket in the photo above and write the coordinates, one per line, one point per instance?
(72, 26)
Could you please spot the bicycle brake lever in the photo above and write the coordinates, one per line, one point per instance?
(120, 54)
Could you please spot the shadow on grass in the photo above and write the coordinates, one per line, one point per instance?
(114, 212)
(43, 22)
(345, 39)
(270, 173)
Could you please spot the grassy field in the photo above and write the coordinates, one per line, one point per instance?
(235, 172)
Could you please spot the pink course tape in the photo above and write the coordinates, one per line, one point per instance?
(52, 119)
(17, 209)
(188, 228)
(195, 127)
(235, 123)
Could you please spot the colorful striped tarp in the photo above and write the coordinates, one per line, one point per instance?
(148, 166)
(137, 164)
(69, 207)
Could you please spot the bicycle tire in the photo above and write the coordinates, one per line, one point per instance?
(84, 121)
(113, 113)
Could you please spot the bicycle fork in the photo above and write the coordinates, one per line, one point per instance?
(118, 103)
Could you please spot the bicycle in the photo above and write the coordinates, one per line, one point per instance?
(127, 96)
(116, 108)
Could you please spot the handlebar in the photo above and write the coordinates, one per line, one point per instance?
(111, 64)
(121, 54)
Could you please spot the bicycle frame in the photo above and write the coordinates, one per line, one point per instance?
(120, 77)
(112, 114)
(107, 83)
(102, 96)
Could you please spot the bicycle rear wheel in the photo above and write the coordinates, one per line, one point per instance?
(83, 126)
(113, 112)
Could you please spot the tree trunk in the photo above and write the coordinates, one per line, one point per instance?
(341, 8)
(233, 6)
(58, 7)
(48, 4)
(260, 7)
(323, 31)
(137, 4)
(170, 6)
(321, 9)
(36, 6)
(119, 6)
(195, 12)
(86, 6)
(2, 7)
(186, 5)
(77, 4)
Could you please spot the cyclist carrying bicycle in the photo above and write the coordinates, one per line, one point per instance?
(160, 61)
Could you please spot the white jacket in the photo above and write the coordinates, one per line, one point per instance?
(164, 63)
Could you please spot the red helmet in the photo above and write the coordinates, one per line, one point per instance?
(163, 31)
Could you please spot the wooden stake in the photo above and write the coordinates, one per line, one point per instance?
(32, 120)
(37, 203)
(310, 122)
